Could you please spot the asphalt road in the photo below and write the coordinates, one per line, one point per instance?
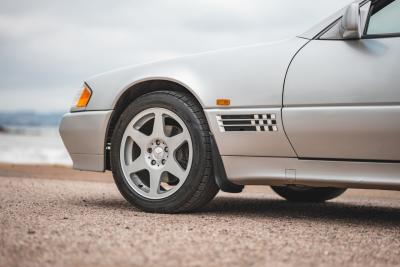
(80, 223)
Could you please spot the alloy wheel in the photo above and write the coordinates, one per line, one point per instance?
(156, 153)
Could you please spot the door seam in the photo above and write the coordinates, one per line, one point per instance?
(283, 95)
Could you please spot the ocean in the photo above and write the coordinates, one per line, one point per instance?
(31, 138)
(33, 146)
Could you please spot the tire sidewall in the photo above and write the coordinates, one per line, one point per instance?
(199, 147)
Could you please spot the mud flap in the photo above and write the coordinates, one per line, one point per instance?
(219, 171)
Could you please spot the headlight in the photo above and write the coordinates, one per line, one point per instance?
(84, 97)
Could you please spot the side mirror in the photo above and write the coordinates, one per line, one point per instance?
(350, 26)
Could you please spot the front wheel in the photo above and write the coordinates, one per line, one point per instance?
(300, 193)
(161, 155)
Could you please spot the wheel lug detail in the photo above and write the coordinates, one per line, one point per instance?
(158, 142)
(166, 149)
(153, 162)
(149, 150)
(163, 162)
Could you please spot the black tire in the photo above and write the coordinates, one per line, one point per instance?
(307, 194)
(199, 187)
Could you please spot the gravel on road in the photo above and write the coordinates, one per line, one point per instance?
(57, 222)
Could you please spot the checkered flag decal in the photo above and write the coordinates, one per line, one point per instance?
(265, 122)
(248, 122)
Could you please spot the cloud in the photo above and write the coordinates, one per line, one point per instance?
(48, 47)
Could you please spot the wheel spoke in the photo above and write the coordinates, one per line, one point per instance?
(158, 128)
(155, 177)
(175, 169)
(137, 165)
(176, 141)
(138, 137)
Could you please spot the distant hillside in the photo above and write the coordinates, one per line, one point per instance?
(30, 119)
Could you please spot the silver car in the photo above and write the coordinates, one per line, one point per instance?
(310, 116)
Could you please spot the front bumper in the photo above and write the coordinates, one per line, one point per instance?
(84, 136)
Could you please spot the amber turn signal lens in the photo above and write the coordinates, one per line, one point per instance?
(84, 98)
(223, 102)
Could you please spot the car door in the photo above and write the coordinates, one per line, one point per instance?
(342, 97)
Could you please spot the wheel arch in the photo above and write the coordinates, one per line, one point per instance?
(151, 85)
(136, 90)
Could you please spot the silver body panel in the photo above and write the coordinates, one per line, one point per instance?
(337, 73)
(342, 100)
(303, 110)
(83, 134)
(357, 132)
(245, 143)
(250, 76)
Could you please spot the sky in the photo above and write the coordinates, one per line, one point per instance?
(48, 47)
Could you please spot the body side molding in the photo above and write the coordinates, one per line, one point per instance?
(320, 173)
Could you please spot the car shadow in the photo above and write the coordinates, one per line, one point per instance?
(263, 208)
(328, 211)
